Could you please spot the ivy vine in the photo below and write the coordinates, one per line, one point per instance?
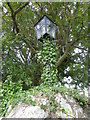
(48, 56)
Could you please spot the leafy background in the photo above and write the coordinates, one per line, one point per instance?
(20, 66)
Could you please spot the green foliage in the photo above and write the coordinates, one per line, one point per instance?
(48, 56)
(69, 18)
(82, 99)
(49, 92)
(22, 68)
(12, 94)
(27, 99)
(43, 106)
(26, 70)
(9, 94)
(53, 103)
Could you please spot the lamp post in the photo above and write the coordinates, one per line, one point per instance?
(45, 30)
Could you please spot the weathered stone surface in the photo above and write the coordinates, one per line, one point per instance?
(69, 108)
(25, 111)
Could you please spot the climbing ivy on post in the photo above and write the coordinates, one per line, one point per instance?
(48, 56)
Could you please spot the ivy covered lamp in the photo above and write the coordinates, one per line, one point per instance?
(45, 30)
(45, 27)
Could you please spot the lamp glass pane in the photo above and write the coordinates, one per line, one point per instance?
(48, 22)
(44, 26)
(38, 27)
(51, 29)
(42, 22)
(38, 34)
(52, 33)
(43, 30)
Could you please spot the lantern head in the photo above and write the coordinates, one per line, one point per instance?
(45, 27)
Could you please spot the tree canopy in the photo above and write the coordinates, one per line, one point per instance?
(22, 69)
(19, 43)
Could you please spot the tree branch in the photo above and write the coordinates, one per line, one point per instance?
(70, 45)
(82, 48)
(12, 11)
(20, 8)
(30, 46)
(61, 59)
(13, 15)
(22, 57)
